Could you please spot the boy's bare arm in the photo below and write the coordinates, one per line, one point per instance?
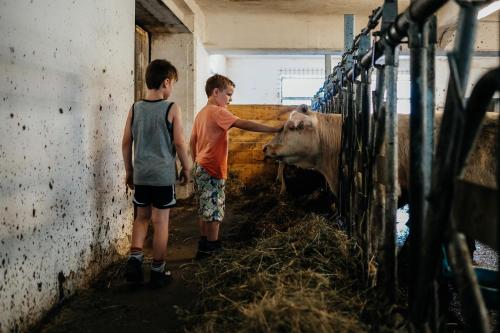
(180, 145)
(249, 125)
(192, 146)
(127, 151)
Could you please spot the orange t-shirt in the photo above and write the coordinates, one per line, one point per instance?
(210, 136)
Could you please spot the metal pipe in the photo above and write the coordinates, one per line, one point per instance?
(391, 156)
(419, 166)
(418, 11)
(391, 139)
(431, 86)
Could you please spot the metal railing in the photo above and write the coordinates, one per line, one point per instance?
(368, 176)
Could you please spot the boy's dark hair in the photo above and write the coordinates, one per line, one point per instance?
(217, 81)
(159, 70)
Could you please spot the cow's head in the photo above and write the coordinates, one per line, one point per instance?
(298, 141)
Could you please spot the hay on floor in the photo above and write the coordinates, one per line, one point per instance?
(298, 280)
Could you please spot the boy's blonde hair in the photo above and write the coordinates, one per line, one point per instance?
(217, 81)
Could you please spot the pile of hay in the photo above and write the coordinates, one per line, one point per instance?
(298, 280)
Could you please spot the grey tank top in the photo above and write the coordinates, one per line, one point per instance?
(154, 150)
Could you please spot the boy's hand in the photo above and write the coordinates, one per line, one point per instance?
(280, 127)
(129, 180)
(185, 176)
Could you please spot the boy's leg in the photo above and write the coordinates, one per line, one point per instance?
(160, 219)
(212, 230)
(160, 276)
(202, 242)
(140, 227)
(211, 201)
(133, 271)
(203, 228)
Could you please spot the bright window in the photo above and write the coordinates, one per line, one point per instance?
(298, 86)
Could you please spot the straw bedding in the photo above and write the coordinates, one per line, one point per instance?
(296, 275)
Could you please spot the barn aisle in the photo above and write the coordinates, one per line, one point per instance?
(110, 305)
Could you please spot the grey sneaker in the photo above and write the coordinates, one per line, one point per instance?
(133, 271)
(160, 279)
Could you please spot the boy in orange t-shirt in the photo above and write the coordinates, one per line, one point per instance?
(209, 150)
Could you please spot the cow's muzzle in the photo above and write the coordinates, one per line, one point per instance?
(270, 152)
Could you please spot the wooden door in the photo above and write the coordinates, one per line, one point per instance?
(141, 61)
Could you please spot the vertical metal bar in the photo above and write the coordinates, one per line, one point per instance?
(377, 206)
(351, 147)
(419, 150)
(391, 142)
(431, 85)
(437, 220)
(348, 31)
(366, 162)
(391, 139)
(345, 181)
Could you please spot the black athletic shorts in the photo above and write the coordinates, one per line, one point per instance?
(161, 197)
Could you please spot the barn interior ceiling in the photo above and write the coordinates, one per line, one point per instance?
(309, 7)
(312, 26)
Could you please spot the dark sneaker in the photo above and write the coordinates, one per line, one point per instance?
(160, 279)
(133, 271)
(218, 246)
(202, 252)
(209, 249)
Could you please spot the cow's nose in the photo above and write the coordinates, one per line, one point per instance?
(268, 150)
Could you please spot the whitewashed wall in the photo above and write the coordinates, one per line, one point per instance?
(65, 90)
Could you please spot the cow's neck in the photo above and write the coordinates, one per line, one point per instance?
(329, 131)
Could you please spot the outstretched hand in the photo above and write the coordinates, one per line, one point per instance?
(279, 128)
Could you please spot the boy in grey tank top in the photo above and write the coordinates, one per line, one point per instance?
(154, 132)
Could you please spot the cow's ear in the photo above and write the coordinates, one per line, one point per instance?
(302, 108)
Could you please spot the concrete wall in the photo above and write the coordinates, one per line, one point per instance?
(66, 87)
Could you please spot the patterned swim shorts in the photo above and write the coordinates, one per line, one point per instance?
(210, 195)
